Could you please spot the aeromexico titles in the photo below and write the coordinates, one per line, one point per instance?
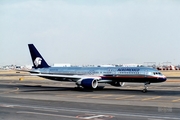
(89, 77)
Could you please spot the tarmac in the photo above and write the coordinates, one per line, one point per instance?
(40, 99)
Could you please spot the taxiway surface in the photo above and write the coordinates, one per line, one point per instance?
(49, 100)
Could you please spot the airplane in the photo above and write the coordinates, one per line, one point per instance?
(90, 77)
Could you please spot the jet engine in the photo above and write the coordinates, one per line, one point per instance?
(90, 83)
(117, 84)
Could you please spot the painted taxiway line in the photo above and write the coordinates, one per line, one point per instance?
(81, 96)
(100, 96)
(120, 98)
(75, 110)
(47, 110)
(59, 95)
(177, 100)
(152, 98)
(92, 117)
(115, 114)
(47, 114)
(10, 91)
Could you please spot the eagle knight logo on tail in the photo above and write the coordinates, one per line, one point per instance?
(37, 61)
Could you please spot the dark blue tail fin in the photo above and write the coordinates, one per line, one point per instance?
(37, 59)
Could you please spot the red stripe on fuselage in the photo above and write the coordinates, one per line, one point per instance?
(130, 77)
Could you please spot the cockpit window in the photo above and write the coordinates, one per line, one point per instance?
(157, 73)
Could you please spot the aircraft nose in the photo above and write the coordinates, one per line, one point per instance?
(164, 78)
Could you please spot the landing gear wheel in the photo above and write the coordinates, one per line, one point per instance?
(144, 90)
(100, 87)
(78, 87)
(145, 87)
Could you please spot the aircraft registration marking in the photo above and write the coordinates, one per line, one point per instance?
(153, 98)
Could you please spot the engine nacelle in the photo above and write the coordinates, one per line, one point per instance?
(117, 84)
(88, 83)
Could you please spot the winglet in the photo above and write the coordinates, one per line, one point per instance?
(37, 59)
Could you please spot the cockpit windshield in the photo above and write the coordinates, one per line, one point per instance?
(157, 73)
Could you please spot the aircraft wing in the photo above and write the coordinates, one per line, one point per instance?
(71, 78)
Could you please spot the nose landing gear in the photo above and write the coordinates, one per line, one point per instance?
(145, 87)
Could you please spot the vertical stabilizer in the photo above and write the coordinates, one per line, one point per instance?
(37, 59)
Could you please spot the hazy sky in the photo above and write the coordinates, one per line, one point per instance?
(90, 31)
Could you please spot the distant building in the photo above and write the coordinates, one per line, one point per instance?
(106, 65)
(132, 65)
(61, 65)
(27, 67)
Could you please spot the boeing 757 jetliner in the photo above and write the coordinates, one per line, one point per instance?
(89, 77)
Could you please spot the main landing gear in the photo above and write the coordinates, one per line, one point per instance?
(78, 87)
(145, 87)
